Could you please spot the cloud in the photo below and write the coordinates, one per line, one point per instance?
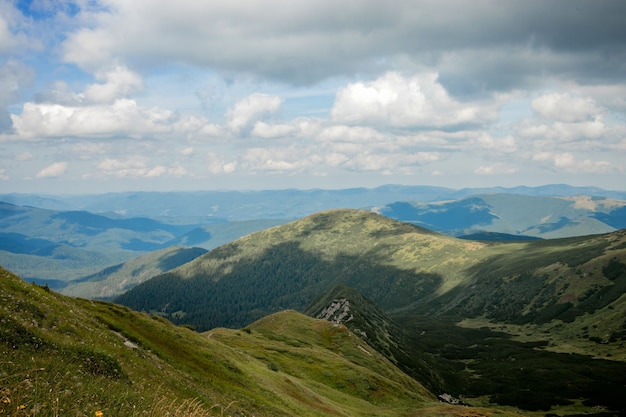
(250, 109)
(119, 82)
(498, 168)
(217, 165)
(268, 131)
(122, 117)
(3, 177)
(13, 29)
(287, 160)
(309, 40)
(55, 170)
(25, 156)
(568, 162)
(354, 134)
(6, 39)
(135, 167)
(557, 133)
(564, 107)
(14, 77)
(399, 101)
(155, 89)
(501, 145)
(59, 92)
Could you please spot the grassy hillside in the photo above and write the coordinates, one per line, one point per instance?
(401, 267)
(65, 356)
(115, 280)
(539, 302)
(289, 266)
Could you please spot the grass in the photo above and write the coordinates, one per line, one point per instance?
(62, 356)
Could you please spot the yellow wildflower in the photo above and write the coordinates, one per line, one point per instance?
(99, 413)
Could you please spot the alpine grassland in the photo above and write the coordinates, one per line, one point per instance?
(68, 356)
(537, 325)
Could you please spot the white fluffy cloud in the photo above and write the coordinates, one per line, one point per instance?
(569, 162)
(250, 109)
(498, 168)
(122, 117)
(564, 107)
(54, 170)
(117, 82)
(399, 101)
(218, 165)
(265, 130)
(133, 167)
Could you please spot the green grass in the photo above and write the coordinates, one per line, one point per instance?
(64, 356)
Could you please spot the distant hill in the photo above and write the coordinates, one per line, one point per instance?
(87, 230)
(497, 237)
(19, 243)
(556, 306)
(208, 207)
(513, 214)
(58, 264)
(214, 235)
(54, 247)
(117, 279)
(66, 356)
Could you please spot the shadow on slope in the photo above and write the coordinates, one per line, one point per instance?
(284, 276)
(467, 364)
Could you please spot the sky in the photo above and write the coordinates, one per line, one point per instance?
(116, 95)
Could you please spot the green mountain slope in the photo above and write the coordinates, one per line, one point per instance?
(288, 266)
(483, 365)
(115, 280)
(65, 356)
(402, 268)
(346, 306)
(471, 306)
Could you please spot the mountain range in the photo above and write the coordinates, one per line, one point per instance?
(47, 245)
(208, 207)
(429, 324)
(54, 247)
(524, 305)
(514, 214)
